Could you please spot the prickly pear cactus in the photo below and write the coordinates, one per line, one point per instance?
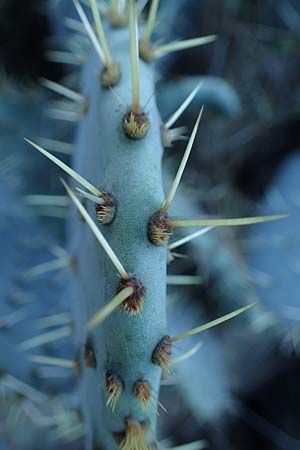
(120, 232)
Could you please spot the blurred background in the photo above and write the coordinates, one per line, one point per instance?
(240, 390)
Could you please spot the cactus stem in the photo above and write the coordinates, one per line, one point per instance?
(175, 116)
(184, 280)
(114, 388)
(104, 312)
(116, 95)
(89, 30)
(67, 169)
(182, 45)
(59, 362)
(134, 57)
(45, 338)
(99, 236)
(189, 238)
(182, 165)
(226, 222)
(63, 90)
(212, 324)
(186, 355)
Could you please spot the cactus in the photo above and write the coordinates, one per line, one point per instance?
(119, 288)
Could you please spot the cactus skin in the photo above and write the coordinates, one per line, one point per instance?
(131, 171)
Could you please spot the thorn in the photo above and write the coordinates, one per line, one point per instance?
(141, 5)
(57, 146)
(226, 222)
(116, 13)
(134, 437)
(212, 324)
(104, 312)
(186, 355)
(89, 30)
(182, 45)
(59, 362)
(162, 352)
(134, 57)
(67, 169)
(184, 280)
(105, 206)
(63, 90)
(118, 98)
(133, 305)
(99, 236)
(145, 45)
(172, 135)
(74, 25)
(65, 57)
(101, 36)
(91, 197)
(135, 125)
(24, 389)
(189, 238)
(150, 21)
(49, 266)
(114, 388)
(111, 74)
(13, 318)
(182, 165)
(183, 106)
(142, 390)
(47, 200)
(196, 445)
(54, 320)
(45, 338)
(60, 114)
(174, 255)
(69, 434)
(159, 228)
(54, 212)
